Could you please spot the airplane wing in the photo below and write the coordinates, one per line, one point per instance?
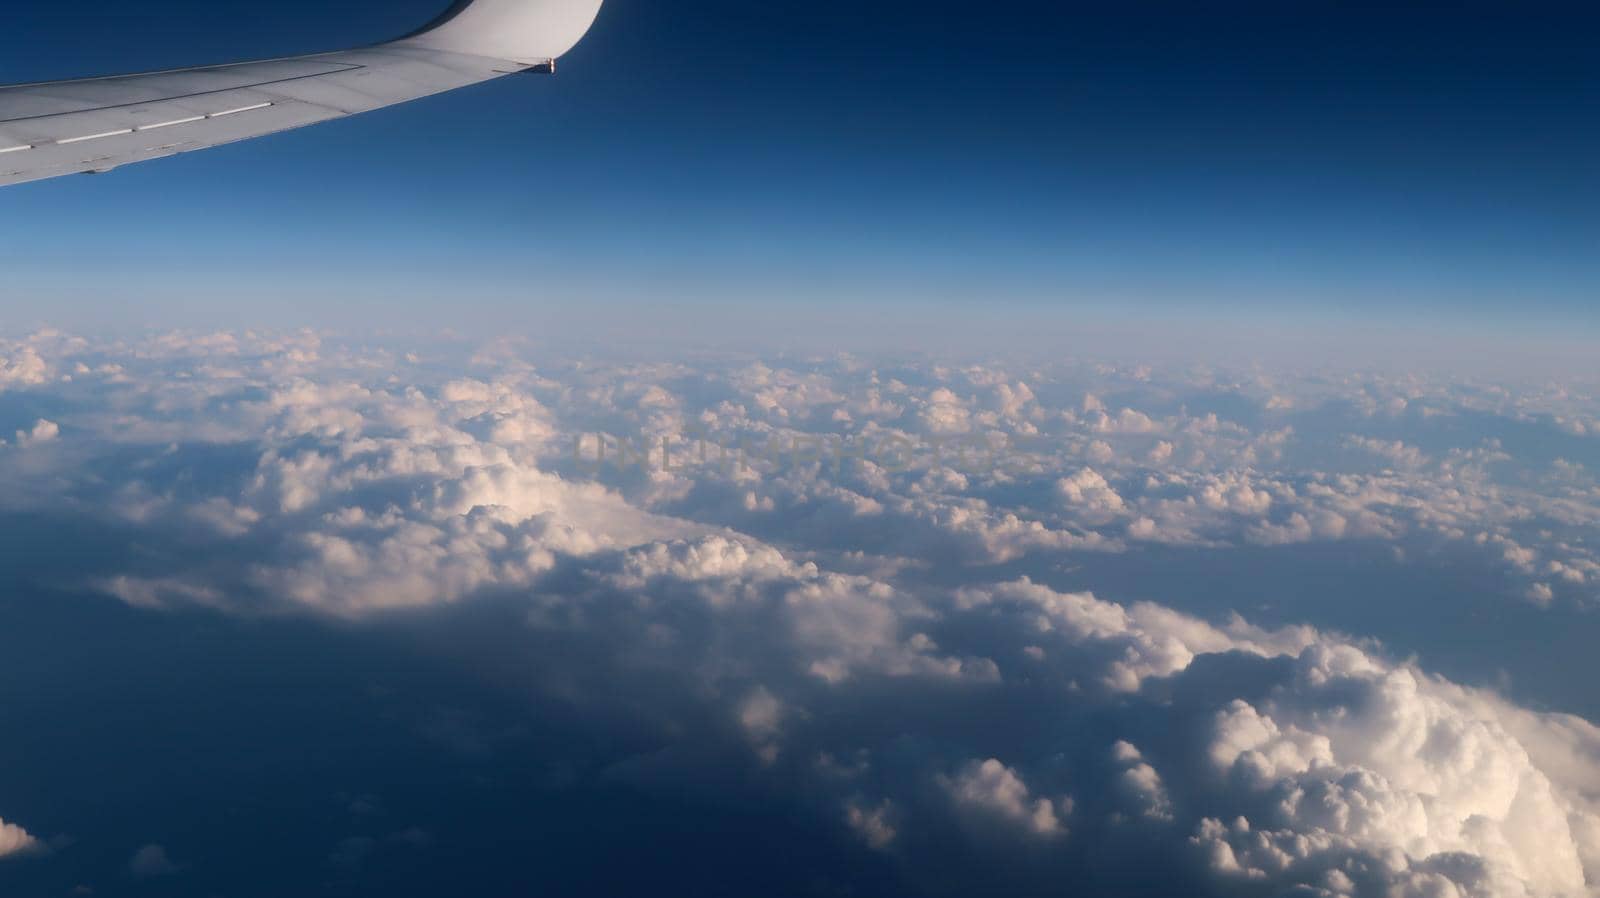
(98, 124)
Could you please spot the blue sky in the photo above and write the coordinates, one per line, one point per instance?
(1428, 164)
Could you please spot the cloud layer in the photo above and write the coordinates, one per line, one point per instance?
(851, 574)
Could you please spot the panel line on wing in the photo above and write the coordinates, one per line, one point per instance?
(179, 121)
(239, 110)
(143, 128)
(95, 136)
(347, 67)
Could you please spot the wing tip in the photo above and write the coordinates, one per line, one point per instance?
(530, 31)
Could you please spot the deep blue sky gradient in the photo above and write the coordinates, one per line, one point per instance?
(1365, 161)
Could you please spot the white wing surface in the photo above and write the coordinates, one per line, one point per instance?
(98, 124)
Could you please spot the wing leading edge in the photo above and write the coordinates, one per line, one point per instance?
(98, 124)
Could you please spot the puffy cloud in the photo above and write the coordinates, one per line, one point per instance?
(1235, 494)
(1365, 765)
(42, 432)
(992, 790)
(15, 841)
(872, 824)
(1089, 491)
(1136, 644)
(1394, 451)
(1142, 784)
(22, 366)
(832, 627)
(944, 412)
(761, 716)
(152, 861)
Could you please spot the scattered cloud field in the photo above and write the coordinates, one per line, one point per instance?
(914, 599)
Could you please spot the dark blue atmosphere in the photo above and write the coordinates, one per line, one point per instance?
(1416, 162)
